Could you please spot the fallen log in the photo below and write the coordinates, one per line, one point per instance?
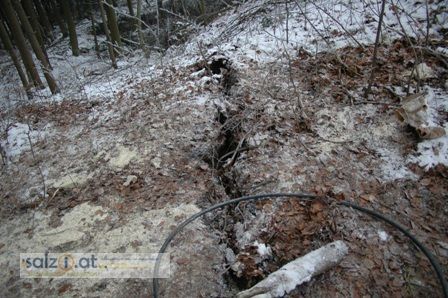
(301, 270)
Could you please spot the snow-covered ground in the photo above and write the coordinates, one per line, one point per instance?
(245, 35)
(134, 141)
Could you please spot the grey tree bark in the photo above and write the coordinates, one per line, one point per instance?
(71, 27)
(43, 16)
(28, 6)
(9, 47)
(19, 39)
(108, 37)
(131, 9)
(112, 23)
(40, 54)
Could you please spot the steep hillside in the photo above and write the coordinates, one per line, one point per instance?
(269, 97)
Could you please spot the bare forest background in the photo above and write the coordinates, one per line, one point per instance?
(120, 119)
(28, 26)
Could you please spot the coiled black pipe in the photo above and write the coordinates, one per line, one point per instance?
(307, 197)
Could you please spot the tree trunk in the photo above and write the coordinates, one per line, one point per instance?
(20, 41)
(106, 30)
(159, 21)
(131, 9)
(31, 12)
(89, 10)
(71, 27)
(36, 47)
(113, 25)
(9, 47)
(56, 16)
(44, 19)
(139, 29)
(164, 19)
(80, 7)
(375, 50)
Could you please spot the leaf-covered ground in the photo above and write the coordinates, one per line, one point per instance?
(121, 157)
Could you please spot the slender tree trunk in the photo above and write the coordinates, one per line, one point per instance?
(106, 30)
(44, 19)
(40, 54)
(56, 16)
(89, 10)
(9, 47)
(131, 9)
(74, 9)
(159, 21)
(113, 25)
(80, 8)
(165, 19)
(139, 29)
(71, 27)
(20, 41)
(31, 12)
(375, 50)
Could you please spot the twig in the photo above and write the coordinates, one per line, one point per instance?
(375, 50)
(238, 150)
(131, 17)
(375, 103)
(287, 21)
(320, 35)
(204, 58)
(340, 25)
(35, 160)
(196, 26)
(331, 141)
(442, 58)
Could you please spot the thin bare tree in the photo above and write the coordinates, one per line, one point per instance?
(108, 37)
(375, 51)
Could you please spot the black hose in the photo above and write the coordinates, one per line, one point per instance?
(301, 196)
(155, 282)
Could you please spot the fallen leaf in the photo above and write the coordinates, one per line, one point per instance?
(368, 198)
(64, 288)
(317, 207)
(182, 261)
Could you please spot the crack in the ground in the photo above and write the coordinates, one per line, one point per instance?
(226, 149)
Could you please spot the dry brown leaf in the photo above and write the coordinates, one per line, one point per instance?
(317, 207)
(368, 197)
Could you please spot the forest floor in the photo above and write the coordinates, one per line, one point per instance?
(121, 157)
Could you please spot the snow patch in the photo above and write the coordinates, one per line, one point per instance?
(17, 140)
(394, 165)
(431, 153)
(262, 249)
(383, 235)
